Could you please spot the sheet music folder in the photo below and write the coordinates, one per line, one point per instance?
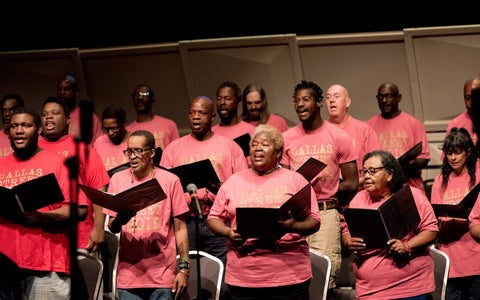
(261, 222)
(31, 195)
(311, 168)
(200, 173)
(244, 142)
(459, 210)
(395, 218)
(411, 154)
(135, 198)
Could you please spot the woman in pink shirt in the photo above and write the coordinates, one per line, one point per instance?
(265, 268)
(459, 175)
(404, 268)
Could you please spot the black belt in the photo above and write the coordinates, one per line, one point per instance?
(327, 204)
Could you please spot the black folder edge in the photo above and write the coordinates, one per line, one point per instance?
(347, 211)
(91, 194)
(461, 209)
(244, 142)
(411, 154)
(245, 222)
(311, 168)
(200, 173)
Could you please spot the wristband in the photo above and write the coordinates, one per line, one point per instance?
(409, 249)
(184, 264)
(185, 259)
(185, 272)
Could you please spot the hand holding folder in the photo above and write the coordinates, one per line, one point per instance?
(133, 199)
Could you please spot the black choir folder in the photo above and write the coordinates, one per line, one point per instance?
(395, 218)
(200, 173)
(135, 198)
(31, 195)
(262, 222)
(459, 210)
(244, 142)
(311, 168)
(410, 155)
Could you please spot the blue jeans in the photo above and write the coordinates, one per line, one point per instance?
(419, 297)
(209, 241)
(143, 294)
(286, 292)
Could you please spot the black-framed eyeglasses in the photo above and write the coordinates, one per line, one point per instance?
(137, 151)
(387, 96)
(370, 171)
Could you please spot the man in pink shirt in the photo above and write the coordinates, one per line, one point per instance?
(465, 119)
(164, 130)
(229, 96)
(36, 241)
(398, 131)
(67, 90)
(255, 108)
(147, 266)
(363, 137)
(110, 145)
(314, 137)
(8, 104)
(92, 172)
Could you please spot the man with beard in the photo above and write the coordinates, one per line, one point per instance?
(91, 171)
(164, 130)
(67, 90)
(398, 131)
(229, 96)
(334, 186)
(36, 241)
(8, 104)
(110, 145)
(224, 154)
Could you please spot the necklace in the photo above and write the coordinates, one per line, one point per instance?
(152, 173)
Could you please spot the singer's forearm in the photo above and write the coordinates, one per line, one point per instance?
(217, 226)
(181, 235)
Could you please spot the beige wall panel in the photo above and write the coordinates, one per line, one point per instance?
(113, 75)
(34, 75)
(273, 66)
(360, 67)
(443, 65)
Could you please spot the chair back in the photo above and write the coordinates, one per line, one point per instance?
(321, 269)
(109, 252)
(211, 272)
(441, 268)
(90, 275)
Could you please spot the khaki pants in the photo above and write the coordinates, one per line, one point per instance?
(327, 240)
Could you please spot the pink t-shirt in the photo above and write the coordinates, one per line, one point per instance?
(224, 154)
(377, 276)
(462, 120)
(91, 172)
(329, 144)
(5, 147)
(75, 128)
(111, 154)
(462, 251)
(234, 131)
(398, 135)
(274, 120)
(32, 248)
(288, 261)
(147, 253)
(164, 130)
(363, 137)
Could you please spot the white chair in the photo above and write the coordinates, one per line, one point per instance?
(211, 272)
(441, 268)
(91, 270)
(110, 261)
(321, 269)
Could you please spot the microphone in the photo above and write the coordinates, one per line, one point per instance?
(192, 190)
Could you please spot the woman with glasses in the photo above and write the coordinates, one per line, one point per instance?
(404, 268)
(458, 176)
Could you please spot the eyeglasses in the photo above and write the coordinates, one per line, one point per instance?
(138, 152)
(387, 96)
(370, 171)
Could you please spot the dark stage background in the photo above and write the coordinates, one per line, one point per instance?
(42, 25)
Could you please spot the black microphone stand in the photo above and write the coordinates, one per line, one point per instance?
(198, 219)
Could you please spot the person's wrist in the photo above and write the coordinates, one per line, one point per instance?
(185, 272)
